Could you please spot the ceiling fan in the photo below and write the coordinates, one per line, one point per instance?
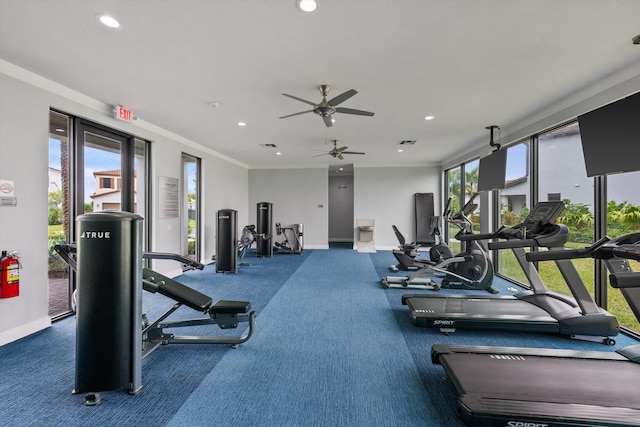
(338, 152)
(326, 108)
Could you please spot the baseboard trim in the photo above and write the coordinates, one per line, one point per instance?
(24, 330)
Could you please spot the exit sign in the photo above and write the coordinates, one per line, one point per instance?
(122, 113)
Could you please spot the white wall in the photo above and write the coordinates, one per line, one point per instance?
(386, 195)
(299, 196)
(24, 133)
(25, 102)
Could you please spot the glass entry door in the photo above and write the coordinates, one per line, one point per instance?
(104, 170)
(91, 168)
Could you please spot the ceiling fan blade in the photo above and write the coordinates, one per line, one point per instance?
(352, 152)
(342, 97)
(327, 121)
(297, 114)
(341, 149)
(323, 154)
(352, 111)
(300, 99)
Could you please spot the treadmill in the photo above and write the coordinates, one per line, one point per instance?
(535, 310)
(514, 386)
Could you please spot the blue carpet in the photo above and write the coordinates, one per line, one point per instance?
(329, 353)
(42, 376)
(331, 348)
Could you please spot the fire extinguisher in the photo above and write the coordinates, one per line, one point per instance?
(9, 274)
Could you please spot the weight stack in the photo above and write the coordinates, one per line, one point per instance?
(227, 242)
(109, 309)
(264, 226)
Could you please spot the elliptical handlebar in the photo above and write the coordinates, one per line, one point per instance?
(482, 236)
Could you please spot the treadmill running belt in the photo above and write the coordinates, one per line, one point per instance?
(502, 385)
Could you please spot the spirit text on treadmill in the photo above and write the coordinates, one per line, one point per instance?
(524, 424)
(450, 323)
(95, 235)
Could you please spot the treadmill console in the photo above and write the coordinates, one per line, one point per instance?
(543, 214)
(538, 229)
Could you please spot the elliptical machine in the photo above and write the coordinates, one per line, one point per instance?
(471, 269)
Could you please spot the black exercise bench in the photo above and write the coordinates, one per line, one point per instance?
(226, 314)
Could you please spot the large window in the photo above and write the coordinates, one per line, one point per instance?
(515, 202)
(550, 167)
(454, 193)
(623, 216)
(58, 216)
(191, 206)
(562, 175)
(461, 185)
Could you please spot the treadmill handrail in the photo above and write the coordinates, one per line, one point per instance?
(625, 280)
(560, 254)
(627, 253)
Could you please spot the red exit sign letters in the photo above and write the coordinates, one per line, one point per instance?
(122, 113)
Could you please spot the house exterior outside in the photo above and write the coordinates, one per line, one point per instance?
(106, 195)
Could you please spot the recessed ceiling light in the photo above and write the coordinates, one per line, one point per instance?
(400, 150)
(429, 118)
(278, 154)
(242, 124)
(306, 5)
(341, 169)
(107, 20)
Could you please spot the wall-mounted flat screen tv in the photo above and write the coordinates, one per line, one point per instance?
(492, 171)
(611, 137)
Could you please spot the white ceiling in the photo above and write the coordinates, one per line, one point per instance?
(470, 63)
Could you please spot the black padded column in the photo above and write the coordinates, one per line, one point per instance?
(109, 277)
(227, 242)
(264, 226)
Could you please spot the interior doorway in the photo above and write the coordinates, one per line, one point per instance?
(341, 223)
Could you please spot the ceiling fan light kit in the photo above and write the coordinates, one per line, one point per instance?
(327, 108)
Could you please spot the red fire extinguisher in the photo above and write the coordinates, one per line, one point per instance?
(9, 274)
